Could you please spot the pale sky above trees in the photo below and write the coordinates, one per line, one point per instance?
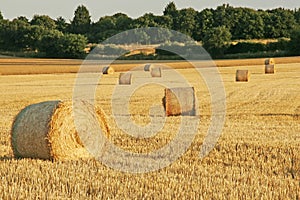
(133, 8)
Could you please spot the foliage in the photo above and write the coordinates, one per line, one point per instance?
(13, 35)
(72, 46)
(43, 21)
(81, 21)
(50, 43)
(245, 47)
(295, 41)
(61, 24)
(173, 13)
(217, 40)
(237, 23)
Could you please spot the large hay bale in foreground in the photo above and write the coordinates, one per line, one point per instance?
(269, 61)
(47, 131)
(148, 67)
(108, 70)
(156, 72)
(180, 101)
(270, 69)
(242, 75)
(125, 78)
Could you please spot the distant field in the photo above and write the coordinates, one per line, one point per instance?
(256, 157)
(10, 66)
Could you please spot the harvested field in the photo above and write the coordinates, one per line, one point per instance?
(12, 66)
(256, 157)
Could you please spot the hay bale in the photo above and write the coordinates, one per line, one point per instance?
(148, 67)
(108, 70)
(269, 61)
(125, 78)
(47, 131)
(242, 75)
(269, 69)
(179, 101)
(156, 72)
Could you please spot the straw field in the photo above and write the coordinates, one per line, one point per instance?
(256, 157)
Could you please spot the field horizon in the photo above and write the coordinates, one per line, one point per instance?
(18, 66)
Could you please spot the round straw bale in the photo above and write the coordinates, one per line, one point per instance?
(179, 101)
(156, 72)
(108, 70)
(269, 69)
(125, 78)
(148, 67)
(269, 61)
(47, 131)
(242, 75)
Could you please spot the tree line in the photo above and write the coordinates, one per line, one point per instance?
(215, 28)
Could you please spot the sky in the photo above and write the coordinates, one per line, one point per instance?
(134, 8)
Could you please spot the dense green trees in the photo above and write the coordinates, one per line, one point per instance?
(214, 27)
(217, 40)
(81, 22)
(61, 24)
(43, 21)
(295, 41)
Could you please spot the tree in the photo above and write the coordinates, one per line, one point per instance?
(204, 22)
(173, 13)
(122, 21)
(1, 16)
(164, 21)
(24, 19)
(279, 22)
(44, 21)
(217, 40)
(34, 36)
(72, 46)
(224, 16)
(81, 22)
(248, 24)
(50, 43)
(297, 16)
(295, 41)
(187, 21)
(103, 29)
(13, 35)
(147, 20)
(61, 24)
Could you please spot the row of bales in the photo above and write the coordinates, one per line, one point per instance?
(244, 75)
(177, 101)
(47, 131)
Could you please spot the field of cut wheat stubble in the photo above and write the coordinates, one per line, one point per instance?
(256, 157)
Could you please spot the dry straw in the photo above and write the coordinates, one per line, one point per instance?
(180, 101)
(148, 67)
(270, 69)
(242, 75)
(125, 78)
(47, 131)
(108, 70)
(269, 61)
(156, 72)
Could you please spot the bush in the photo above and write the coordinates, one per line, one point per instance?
(294, 46)
(281, 45)
(178, 50)
(245, 47)
(216, 41)
(72, 46)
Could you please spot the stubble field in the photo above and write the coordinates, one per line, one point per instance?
(256, 157)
